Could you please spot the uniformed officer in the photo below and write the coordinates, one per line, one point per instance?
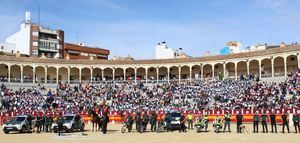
(60, 122)
(47, 122)
(206, 120)
(38, 123)
(190, 121)
(145, 121)
(168, 121)
(285, 122)
(226, 121)
(138, 121)
(296, 122)
(129, 122)
(255, 122)
(273, 122)
(182, 127)
(153, 120)
(51, 120)
(239, 122)
(105, 122)
(264, 119)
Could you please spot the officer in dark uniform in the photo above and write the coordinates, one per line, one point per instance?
(153, 120)
(168, 121)
(239, 122)
(285, 122)
(273, 122)
(138, 121)
(264, 119)
(296, 123)
(47, 122)
(105, 122)
(145, 121)
(182, 123)
(38, 123)
(60, 123)
(255, 122)
(129, 122)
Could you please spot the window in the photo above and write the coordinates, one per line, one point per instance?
(35, 43)
(35, 33)
(34, 52)
(2, 47)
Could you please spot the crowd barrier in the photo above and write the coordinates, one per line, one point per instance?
(119, 116)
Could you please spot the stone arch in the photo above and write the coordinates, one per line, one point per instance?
(27, 73)
(196, 72)
(63, 75)
(218, 71)
(4, 73)
(15, 73)
(292, 63)
(86, 75)
(39, 74)
(207, 71)
(279, 66)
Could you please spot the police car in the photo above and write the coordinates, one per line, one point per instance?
(71, 124)
(20, 123)
(175, 119)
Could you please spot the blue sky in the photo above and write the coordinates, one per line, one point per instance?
(134, 27)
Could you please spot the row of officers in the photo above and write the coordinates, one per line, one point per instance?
(191, 120)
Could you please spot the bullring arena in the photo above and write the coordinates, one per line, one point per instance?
(277, 64)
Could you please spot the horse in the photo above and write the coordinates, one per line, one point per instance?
(96, 120)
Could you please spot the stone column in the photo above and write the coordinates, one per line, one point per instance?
(272, 66)
(102, 74)
(146, 70)
(235, 71)
(259, 69)
(179, 72)
(298, 58)
(91, 70)
(168, 72)
(33, 74)
(248, 67)
(191, 73)
(8, 78)
(80, 75)
(157, 74)
(113, 73)
(213, 71)
(202, 72)
(57, 69)
(22, 76)
(124, 74)
(135, 72)
(68, 75)
(224, 70)
(285, 66)
(46, 74)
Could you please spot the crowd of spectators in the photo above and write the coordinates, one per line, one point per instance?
(212, 94)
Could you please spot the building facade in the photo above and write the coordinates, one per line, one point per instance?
(269, 63)
(80, 51)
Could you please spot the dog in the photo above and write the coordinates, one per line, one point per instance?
(244, 129)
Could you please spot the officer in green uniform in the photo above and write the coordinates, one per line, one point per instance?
(264, 119)
(38, 123)
(226, 121)
(129, 122)
(255, 122)
(190, 121)
(168, 121)
(296, 123)
(206, 120)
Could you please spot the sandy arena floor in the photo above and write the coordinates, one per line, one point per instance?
(115, 136)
